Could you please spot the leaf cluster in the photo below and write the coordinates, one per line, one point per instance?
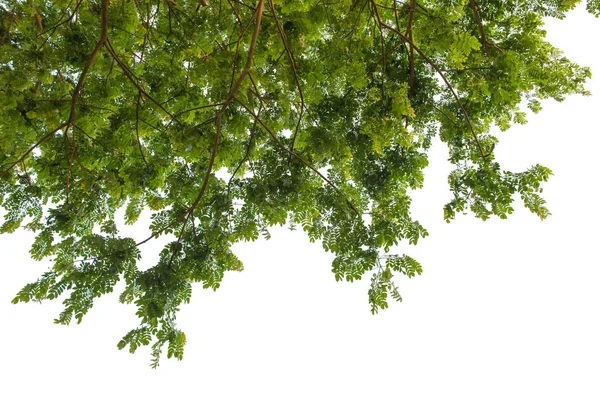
(227, 118)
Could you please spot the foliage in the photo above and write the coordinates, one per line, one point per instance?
(320, 112)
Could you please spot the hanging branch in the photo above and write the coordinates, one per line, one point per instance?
(186, 216)
(103, 39)
(291, 153)
(133, 79)
(10, 24)
(77, 90)
(383, 61)
(72, 111)
(439, 72)
(248, 148)
(237, 48)
(294, 70)
(484, 42)
(189, 214)
(36, 145)
(62, 22)
(137, 127)
(411, 53)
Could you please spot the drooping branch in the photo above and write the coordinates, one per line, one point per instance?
(186, 216)
(294, 70)
(75, 94)
(383, 60)
(37, 18)
(79, 86)
(439, 72)
(179, 114)
(189, 214)
(62, 22)
(11, 22)
(227, 102)
(411, 53)
(248, 148)
(292, 153)
(90, 61)
(36, 145)
(237, 47)
(484, 42)
(327, 15)
(137, 127)
(131, 78)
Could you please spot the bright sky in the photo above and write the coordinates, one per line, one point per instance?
(504, 309)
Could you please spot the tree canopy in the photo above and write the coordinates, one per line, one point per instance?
(228, 117)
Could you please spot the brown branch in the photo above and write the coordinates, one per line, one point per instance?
(383, 62)
(475, 9)
(137, 127)
(241, 3)
(72, 112)
(39, 142)
(103, 39)
(37, 18)
(248, 148)
(440, 73)
(186, 216)
(77, 90)
(411, 54)
(237, 48)
(106, 149)
(189, 213)
(294, 70)
(327, 15)
(132, 78)
(148, 30)
(156, 128)
(10, 24)
(396, 17)
(70, 163)
(432, 104)
(55, 27)
(230, 97)
(292, 153)
(237, 15)
(351, 31)
(201, 3)
(179, 114)
(140, 12)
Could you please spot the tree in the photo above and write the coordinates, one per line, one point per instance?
(226, 118)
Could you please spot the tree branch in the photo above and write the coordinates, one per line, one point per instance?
(72, 111)
(475, 9)
(129, 75)
(440, 73)
(137, 127)
(224, 106)
(294, 70)
(291, 153)
(411, 54)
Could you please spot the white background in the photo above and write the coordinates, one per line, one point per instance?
(504, 309)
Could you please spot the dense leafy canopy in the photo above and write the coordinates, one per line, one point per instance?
(320, 112)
